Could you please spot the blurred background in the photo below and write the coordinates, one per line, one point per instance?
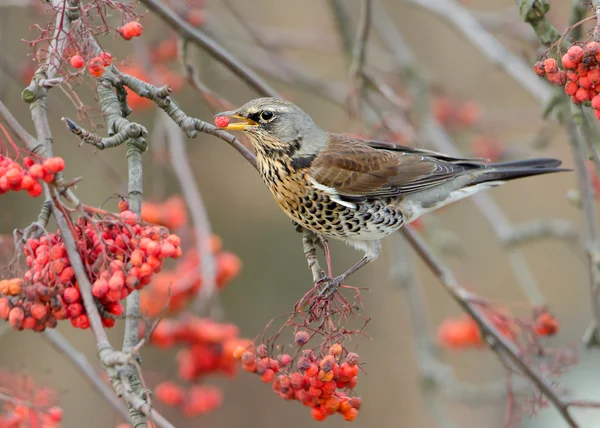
(274, 274)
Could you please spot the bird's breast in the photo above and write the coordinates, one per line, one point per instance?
(314, 209)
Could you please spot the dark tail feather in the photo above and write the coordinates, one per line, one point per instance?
(505, 171)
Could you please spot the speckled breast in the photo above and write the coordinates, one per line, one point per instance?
(314, 210)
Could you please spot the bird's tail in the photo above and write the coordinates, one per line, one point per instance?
(505, 171)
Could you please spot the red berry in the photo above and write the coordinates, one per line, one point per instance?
(575, 53)
(71, 295)
(37, 171)
(54, 165)
(36, 190)
(27, 162)
(546, 324)
(592, 48)
(106, 58)
(221, 121)
(582, 95)
(568, 62)
(131, 30)
(169, 393)
(27, 182)
(77, 61)
(571, 88)
(100, 287)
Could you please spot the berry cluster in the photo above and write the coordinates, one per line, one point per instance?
(455, 115)
(582, 76)
(175, 288)
(171, 214)
(32, 406)
(96, 65)
(463, 332)
(15, 177)
(120, 255)
(320, 383)
(130, 30)
(208, 348)
(196, 400)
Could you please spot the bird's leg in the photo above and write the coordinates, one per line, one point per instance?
(330, 285)
(310, 253)
(327, 253)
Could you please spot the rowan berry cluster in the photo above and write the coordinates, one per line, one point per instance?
(27, 405)
(582, 76)
(460, 116)
(193, 401)
(120, 254)
(171, 290)
(463, 332)
(208, 348)
(319, 382)
(28, 177)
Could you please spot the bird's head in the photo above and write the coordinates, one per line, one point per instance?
(276, 125)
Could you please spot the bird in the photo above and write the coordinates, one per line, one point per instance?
(357, 190)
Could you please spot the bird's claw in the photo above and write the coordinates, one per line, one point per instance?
(328, 286)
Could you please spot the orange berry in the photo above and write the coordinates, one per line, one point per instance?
(550, 65)
(312, 370)
(16, 317)
(267, 376)
(38, 311)
(546, 325)
(538, 67)
(335, 349)
(96, 67)
(325, 376)
(350, 415)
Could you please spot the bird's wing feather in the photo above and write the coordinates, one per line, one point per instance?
(366, 170)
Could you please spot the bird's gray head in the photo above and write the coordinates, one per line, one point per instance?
(276, 125)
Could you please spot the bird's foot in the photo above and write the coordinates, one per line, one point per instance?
(328, 286)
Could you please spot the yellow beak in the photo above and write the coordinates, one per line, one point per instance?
(241, 125)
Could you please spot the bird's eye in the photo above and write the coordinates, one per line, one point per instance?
(267, 116)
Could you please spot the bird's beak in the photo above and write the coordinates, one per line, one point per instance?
(240, 125)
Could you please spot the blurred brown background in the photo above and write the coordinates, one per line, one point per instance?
(274, 274)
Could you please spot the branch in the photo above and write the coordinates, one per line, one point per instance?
(360, 49)
(489, 46)
(191, 193)
(189, 32)
(497, 341)
(591, 241)
(81, 363)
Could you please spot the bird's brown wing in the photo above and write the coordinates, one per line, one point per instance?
(364, 170)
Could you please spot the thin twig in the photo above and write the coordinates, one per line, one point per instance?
(81, 363)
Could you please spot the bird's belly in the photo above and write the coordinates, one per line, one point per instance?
(317, 212)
